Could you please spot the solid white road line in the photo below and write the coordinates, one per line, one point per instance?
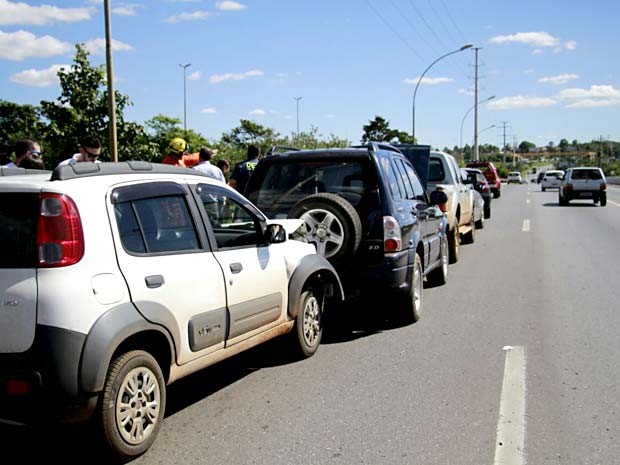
(614, 203)
(526, 226)
(510, 444)
(527, 201)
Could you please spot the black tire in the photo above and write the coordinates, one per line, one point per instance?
(439, 276)
(562, 200)
(470, 237)
(603, 200)
(306, 337)
(543, 189)
(454, 243)
(410, 308)
(480, 222)
(497, 194)
(340, 239)
(487, 213)
(145, 406)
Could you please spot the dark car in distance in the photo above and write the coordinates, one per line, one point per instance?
(366, 211)
(480, 185)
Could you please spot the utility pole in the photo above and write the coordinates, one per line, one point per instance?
(476, 155)
(505, 125)
(110, 79)
(185, 66)
(297, 99)
(514, 148)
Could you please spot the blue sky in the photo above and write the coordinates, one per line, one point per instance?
(552, 66)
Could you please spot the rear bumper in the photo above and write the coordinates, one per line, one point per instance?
(42, 383)
(584, 194)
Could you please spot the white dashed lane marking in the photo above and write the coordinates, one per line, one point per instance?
(526, 226)
(510, 443)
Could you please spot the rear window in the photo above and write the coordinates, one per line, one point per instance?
(282, 185)
(587, 174)
(19, 213)
(435, 170)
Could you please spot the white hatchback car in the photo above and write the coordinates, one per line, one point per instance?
(551, 180)
(117, 279)
(514, 176)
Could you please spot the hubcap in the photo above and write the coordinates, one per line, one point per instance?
(137, 405)
(444, 257)
(311, 321)
(324, 230)
(417, 288)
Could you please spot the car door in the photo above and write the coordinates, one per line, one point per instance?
(255, 272)
(466, 196)
(172, 275)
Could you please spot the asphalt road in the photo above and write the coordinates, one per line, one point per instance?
(539, 287)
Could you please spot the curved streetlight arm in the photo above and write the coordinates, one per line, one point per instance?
(467, 113)
(464, 47)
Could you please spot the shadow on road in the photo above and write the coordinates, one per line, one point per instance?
(555, 204)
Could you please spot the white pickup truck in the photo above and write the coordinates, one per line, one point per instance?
(444, 175)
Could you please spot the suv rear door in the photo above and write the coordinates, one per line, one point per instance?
(173, 277)
(19, 213)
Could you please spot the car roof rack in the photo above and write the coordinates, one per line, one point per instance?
(10, 171)
(280, 149)
(373, 146)
(84, 170)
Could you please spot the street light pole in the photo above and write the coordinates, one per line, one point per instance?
(185, 66)
(467, 113)
(297, 99)
(110, 79)
(464, 47)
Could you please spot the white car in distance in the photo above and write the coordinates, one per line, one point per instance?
(551, 180)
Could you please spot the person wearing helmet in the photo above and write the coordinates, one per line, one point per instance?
(175, 151)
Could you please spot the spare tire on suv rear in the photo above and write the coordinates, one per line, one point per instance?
(331, 224)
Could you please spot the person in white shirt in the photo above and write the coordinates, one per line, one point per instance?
(206, 167)
(90, 149)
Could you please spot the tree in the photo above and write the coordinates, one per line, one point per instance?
(82, 109)
(378, 130)
(563, 145)
(18, 122)
(248, 132)
(525, 146)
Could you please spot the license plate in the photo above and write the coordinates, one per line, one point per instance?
(585, 194)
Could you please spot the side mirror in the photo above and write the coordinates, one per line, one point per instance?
(438, 197)
(275, 234)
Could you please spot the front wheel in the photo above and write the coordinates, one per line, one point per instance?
(308, 324)
(439, 276)
(132, 404)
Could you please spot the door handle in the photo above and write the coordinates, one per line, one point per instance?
(154, 281)
(236, 267)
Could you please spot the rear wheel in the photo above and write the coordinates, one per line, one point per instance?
(603, 200)
(410, 308)
(132, 404)
(454, 243)
(470, 237)
(480, 222)
(543, 189)
(487, 212)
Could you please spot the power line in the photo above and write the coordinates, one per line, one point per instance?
(452, 20)
(406, 18)
(394, 31)
(442, 23)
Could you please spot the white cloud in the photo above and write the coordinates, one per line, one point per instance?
(218, 78)
(228, 5)
(570, 45)
(520, 101)
(595, 96)
(281, 75)
(592, 103)
(538, 51)
(195, 76)
(127, 9)
(428, 80)
(330, 116)
(209, 111)
(97, 46)
(536, 39)
(257, 112)
(19, 45)
(21, 14)
(559, 79)
(465, 91)
(39, 77)
(195, 16)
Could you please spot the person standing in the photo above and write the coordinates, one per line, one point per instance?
(24, 149)
(242, 172)
(206, 167)
(224, 165)
(90, 150)
(175, 151)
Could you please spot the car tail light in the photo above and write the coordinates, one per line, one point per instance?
(568, 187)
(60, 239)
(603, 187)
(17, 387)
(392, 235)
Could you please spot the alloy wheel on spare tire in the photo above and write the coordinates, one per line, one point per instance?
(331, 224)
(132, 404)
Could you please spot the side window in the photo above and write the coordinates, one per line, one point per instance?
(418, 190)
(156, 225)
(233, 224)
(435, 170)
(398, 192)
(401, 175)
